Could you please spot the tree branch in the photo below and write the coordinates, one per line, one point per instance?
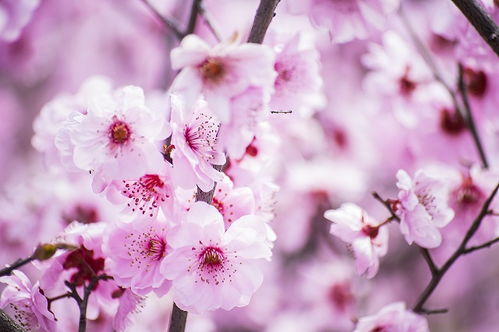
(469, 118)
(17, 264)
(481, 20)
(461, 250)
(482, 246)
(7, 324)
(170, 24)
(263, 17)
(195, 9)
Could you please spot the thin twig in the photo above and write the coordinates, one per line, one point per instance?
(7, 324)
(431, 264)
(461, 250)
(191, 26)
(263, 17)
(169, 23)
(469, 118)
(387, 205)
(481, 20)
(209, 23)
(17, 264)
(482, 246)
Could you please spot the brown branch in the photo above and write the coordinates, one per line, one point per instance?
(482, 246)
(469, 118)
(7, 324)
(17, 264)
(481, 20)
(195, 9)
(209, 23)
(461, 250)
(169, 23)
(436, 272)
(263, 17)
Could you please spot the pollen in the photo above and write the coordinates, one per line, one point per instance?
(212, 69)
(119, 132)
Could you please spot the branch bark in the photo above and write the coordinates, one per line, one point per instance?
(481, 21)
(7, 324)
(263, 17)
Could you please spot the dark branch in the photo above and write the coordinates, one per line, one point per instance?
(195, 9)
(17, 264)
(178, 319)
(481, 20)
(263, 17)
(7, 324)
(431, 264)
(461, 250)
(482, 246)
(469, 118)
(166, 21)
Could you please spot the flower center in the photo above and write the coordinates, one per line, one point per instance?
(476, 82)
(212, 69)
(218, 204)
(370, 231)
(468, 193)
(146, 193)
(211, 257)
(155, 248)
(201, 136)
(85, 263)
(341, 296)
(452, 123)
(406, 85)
(119, 132)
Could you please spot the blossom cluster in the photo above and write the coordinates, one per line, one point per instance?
(288, 185)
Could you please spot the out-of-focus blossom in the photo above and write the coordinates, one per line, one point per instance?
(346, 20)
(221, 72)
(298, 81)
(27, 303)
(393, 317)
(369, 240)
(134, 252)
(212, 268)
(14, 15)
(423, 208)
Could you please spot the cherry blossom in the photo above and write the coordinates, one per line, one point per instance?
(393, 317)
(212, 268)
(423, 208)
(134, 252)
(27, 302)
(14, 15)
(221, 72)
(195, 146)
(115, 135)
(369, 240)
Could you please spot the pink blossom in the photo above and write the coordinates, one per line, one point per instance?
(346, 20)
(28, 304)
(14, 15)
(134, 252)
(403, 82)
(368, 239)
(115, 137)
(238, 134)
(128, 303)
(393, 317)
(220, 72)
(145, 195)
(52, 118)
(212, 268)
(423, 208)
(298, 81)
(195, 146)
